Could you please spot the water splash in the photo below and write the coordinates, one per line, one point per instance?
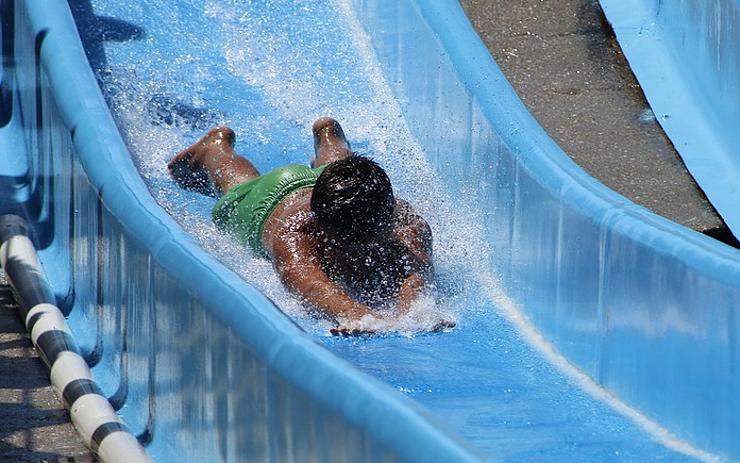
(165, 103)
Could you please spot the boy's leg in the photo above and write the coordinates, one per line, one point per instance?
(329, 142)
(211, 162)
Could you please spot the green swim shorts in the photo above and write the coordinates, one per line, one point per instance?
(244, 209)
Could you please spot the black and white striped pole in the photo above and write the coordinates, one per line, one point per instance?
(97, 423)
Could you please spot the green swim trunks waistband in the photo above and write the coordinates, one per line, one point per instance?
(244, 209)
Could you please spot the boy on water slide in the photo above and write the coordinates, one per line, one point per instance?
(335, 233)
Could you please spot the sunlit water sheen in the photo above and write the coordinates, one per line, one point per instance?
(268, 70)
(167, 102)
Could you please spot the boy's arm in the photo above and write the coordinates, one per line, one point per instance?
(299, 269)
(410, 290)
(414, 233)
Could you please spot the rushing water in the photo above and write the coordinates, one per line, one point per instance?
(171, 70)
(227, 67)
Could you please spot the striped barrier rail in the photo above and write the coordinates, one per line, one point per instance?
(92, 415)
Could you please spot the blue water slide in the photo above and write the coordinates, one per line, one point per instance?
(686, 56)
(588, 329)
(200, 366)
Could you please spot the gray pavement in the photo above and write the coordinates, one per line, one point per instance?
(34, 426)
(562, 58)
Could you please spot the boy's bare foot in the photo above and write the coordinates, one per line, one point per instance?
(329, 142)
(192, 156)
(187, 166)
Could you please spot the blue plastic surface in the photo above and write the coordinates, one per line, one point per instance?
(202, 365)
(686, 56)
(637, 302)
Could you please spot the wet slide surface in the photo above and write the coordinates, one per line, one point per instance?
(171, 70)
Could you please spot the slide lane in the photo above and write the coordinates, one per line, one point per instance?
(250, 71)
(543, 269)
(154, 316)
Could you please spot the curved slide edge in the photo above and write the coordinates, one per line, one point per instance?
(330, 410)
(645, 307)
(685, 55)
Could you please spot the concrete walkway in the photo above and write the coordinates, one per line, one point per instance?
(34, 426)
(563, 60)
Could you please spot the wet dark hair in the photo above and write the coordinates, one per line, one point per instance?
(353, 196)
(373, 272)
